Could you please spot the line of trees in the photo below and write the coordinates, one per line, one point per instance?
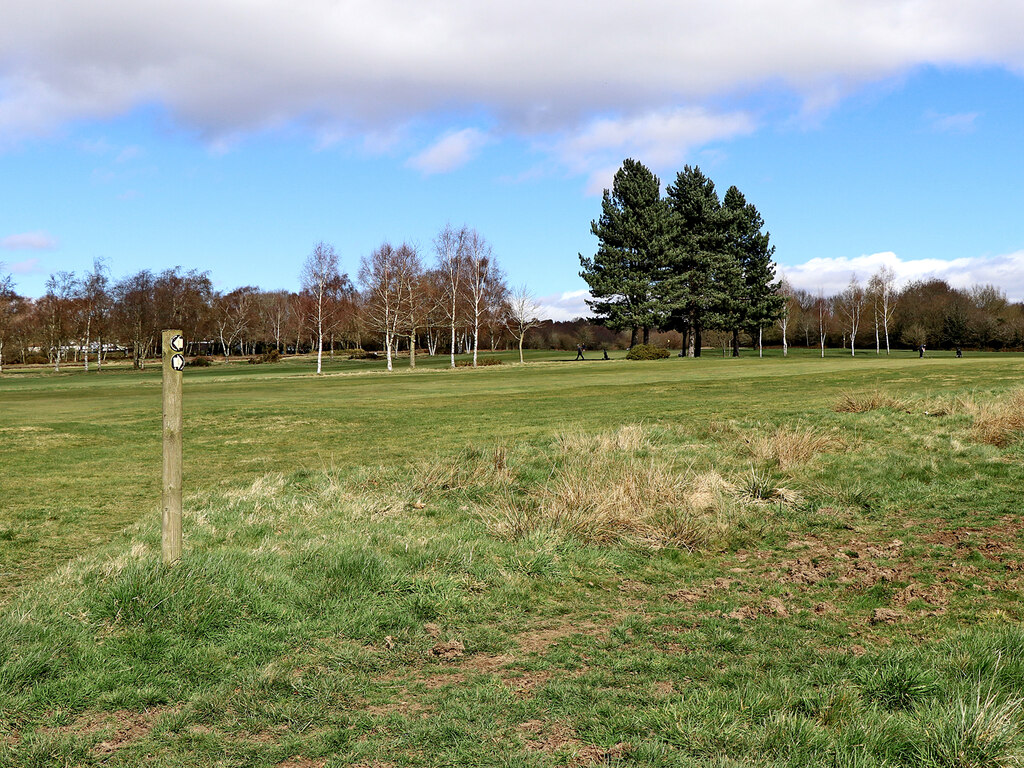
(877, 315)
(686, 261)
(454, 305)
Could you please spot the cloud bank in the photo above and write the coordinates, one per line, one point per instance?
(28, 241)
(653, 71)
(833, 275)
(1006, 272)
(564, 306)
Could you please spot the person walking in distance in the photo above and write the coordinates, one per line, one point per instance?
(920, 351)
(579, 352)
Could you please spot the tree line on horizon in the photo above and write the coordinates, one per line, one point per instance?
(453, 305)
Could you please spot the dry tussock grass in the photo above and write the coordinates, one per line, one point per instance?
(642, 503)
(628, 437)
(600, 492)
(472, 470)
(998, 422)
(790, 447)
(862, 402)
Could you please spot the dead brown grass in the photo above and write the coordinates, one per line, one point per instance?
(862, 402)
(790, 447)
(998, 421)
(599, 491)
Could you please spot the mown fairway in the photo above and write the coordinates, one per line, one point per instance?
(682, 562)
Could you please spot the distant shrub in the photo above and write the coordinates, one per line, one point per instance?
(35, 358)
(362, 354)
(481, 361)
(273, 356)
(647, 352)
(200, 362)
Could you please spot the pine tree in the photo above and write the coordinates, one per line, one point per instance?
(754, 299)
(700, 270)
(633, 237)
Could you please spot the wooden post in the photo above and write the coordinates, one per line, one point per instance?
(173, 364)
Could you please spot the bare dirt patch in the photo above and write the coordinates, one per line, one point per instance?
(447, 651)
(524, 685)
(886, 616)
(853, 563)
(539, 640)
(559, 738)
(303, 762)
(486, 663)
(119, 728)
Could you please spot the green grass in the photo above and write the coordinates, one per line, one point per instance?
(682, 562)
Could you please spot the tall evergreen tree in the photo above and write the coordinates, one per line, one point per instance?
(700, 270)
(633, 238)
(754, 300)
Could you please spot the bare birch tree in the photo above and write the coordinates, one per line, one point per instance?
(450, 245)
(9, 304)
(319, 272)
(95, 298)
(483, 276)
(786, 291)
(233, 316)
(851, 304)
(413, 295)
(385, 274)
(824, 307)
(885, 280)
(522, 313)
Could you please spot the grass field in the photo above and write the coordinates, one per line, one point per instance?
(712, 562)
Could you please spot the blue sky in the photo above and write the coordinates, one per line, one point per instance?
(231, 140)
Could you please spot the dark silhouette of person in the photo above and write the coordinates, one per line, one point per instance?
(920, 351)
(606, 354)
(959, 352)
(579, 352)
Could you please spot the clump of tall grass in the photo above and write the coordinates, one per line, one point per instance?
(792, 446)
(628, 437)
(898, 684)
(862, 402)
(998, 421)
(599, 490)
(983, 731)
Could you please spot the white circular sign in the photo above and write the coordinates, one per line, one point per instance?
(178, 362)
(177, 343)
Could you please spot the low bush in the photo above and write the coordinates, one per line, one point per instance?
(647, 352)
(200, 362)
(481, 361)
(273, 356)
(362, 354)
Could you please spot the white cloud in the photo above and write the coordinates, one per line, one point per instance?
(28, 241)
(658, 139)
(129, 153)
(26, 267)
(449, 152)
(564, 306)
(833, 274)
(223, 67)
(961, 122)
